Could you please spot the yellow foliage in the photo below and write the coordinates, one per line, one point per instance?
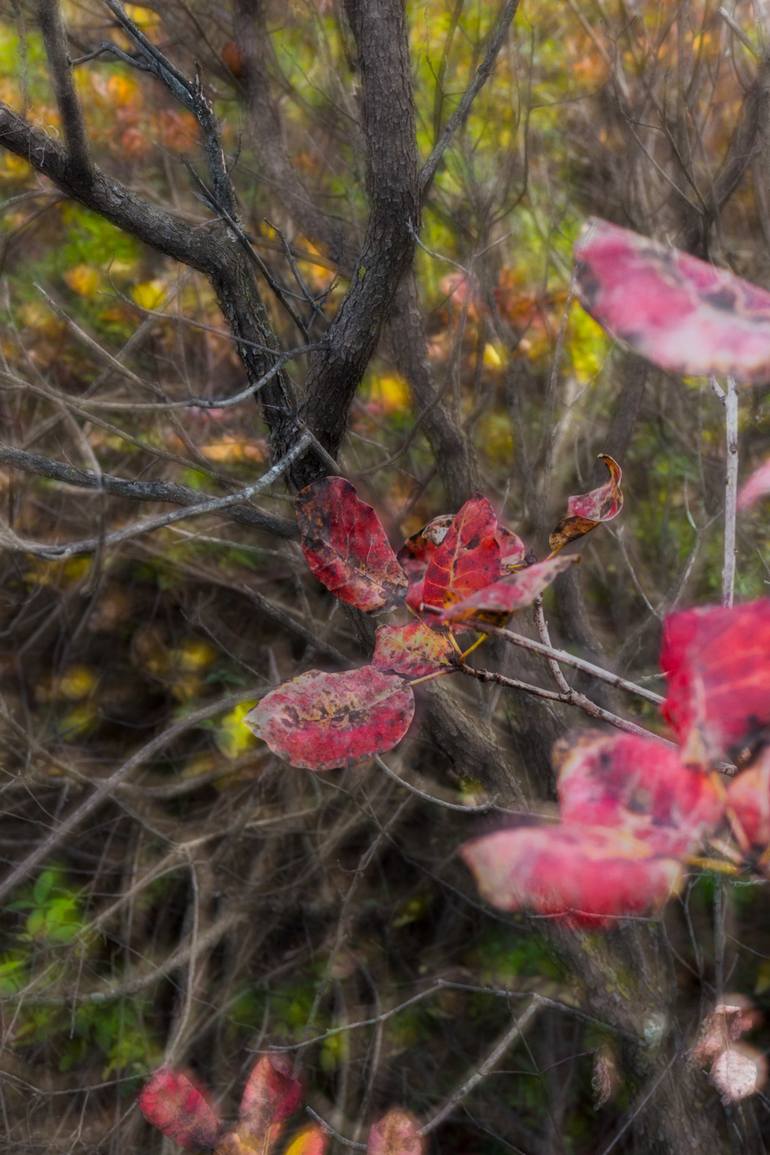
(14, 168)
(194, 654)
(229, 450)
(76, 683)
(232, 737)
(124, 91)
(149, 294)
(494, 356)
(144, 18)
(84, 280)
(391, 393)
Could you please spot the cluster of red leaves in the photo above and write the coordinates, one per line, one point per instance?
(458, 568)
(179, 1107)
(633, 809)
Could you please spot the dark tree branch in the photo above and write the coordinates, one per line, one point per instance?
(138, 490)
(55, 41)
(460, 115)
(388, 116)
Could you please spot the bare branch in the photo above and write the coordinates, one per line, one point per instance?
(55, 41)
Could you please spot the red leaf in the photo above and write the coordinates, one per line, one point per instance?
(321, 721)
(757, 486)
(180, 1108)
(271, 1094)
(680, 313)
(587, 510)
(637, 785)
(748, 797)
(467, 559)
(419, 548)
(346, 547)
(416, 552)
(397, 1133)
(717, 662)
(584, 876)
(412, 651)
(509, 594)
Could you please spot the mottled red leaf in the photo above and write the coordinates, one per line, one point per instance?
(397, 1133)
(587, 510)
(321, 721)
(756, 487)
(748, 797)
(584, 875)
(179, 1107)
(637, 785)
(467, 559)
(346, 547)
(271, 1094)
(504, 597)
(717, 662)
(413, 650)
(679, 312)
(416, 552)
(417, 549)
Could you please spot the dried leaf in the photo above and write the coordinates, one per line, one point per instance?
(413, 650)
(637, 785)
(467, 559)
(513, 551)
(271, 1094)
(311, 1140)
(587, 510)
(321, 721)
(677, 311)
(585, 876)
(757, 487)
(179, 1107)
(496, 602)
(738, 1072)
(729, 1020)
(347, 548)
(397, 1133)
(717, 662)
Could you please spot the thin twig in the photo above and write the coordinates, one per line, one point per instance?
(214, 505)
(487, 1064)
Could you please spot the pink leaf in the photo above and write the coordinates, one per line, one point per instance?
(680, 313)
(587, 510)
(748, 797)
(637, 785)
(757, 486)
(738, 1072)
(397, 1133)
(413, 650)
(467, 559)
(321, 721)
(717, 662)
(271, 1094)
(512, 593)
(346, 547)
(586, 876)
(179, 1107)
